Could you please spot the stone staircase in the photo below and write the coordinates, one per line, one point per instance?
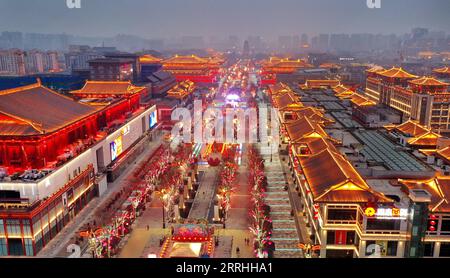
(284, 234)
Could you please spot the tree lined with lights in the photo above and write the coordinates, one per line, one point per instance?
(260, 212)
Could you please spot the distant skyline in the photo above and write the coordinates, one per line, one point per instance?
(214, 18)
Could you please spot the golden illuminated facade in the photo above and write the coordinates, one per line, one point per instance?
(424, 99)
(343, 214)
(194, 68)
(275, 65)
(182, 90)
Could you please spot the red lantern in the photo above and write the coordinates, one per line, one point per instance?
(432, 228)
(432, 223)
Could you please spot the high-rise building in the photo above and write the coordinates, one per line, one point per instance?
(34, 61)
(51, 61)
(12, 62)
(78, 56)
(323, 42)
(246, 50)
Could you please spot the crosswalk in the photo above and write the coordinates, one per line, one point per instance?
(284, 233)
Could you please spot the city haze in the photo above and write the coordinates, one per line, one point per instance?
(211, 18)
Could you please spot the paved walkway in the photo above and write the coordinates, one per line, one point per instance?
(143, 242)
(205, 194)
(57, 246)
(238, 221)
(284, 235)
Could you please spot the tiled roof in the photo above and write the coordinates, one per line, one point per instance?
(438, 187)
(108, 88)
(428, 81)
(411, 128)
(396, 73)
(35, 110)
(332, 178)
(427, 139)
(304, 128)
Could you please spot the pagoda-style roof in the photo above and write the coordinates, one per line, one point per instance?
(291, 63)
(181, 90)
(429, 139)
(37, 110)
(186, 59)
(286, 101)
(279, 88)
(397, 73)
(375, 69)
(316, 145)
(438, 187)
(340, 89)
(99, 88)
(410, 128)
(360, 100)
(304, 128)
(444, 153)
(330, 66)
(314, 115)
(149, 59)
(332, 179)
(444, 70)
(428, 81)
(345, 95)
(311, 84)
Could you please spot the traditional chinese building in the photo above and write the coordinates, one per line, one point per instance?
(182, 90)
(442, 73)
(347, 215)
(111, 69)
(194, 68)
(51, 148)
(95, 90)
(319, 84)
(423, 99)
(437, 235)
(413, 134)
(149, 65)
(275, 65)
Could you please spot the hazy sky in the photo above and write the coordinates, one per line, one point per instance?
(269, 18)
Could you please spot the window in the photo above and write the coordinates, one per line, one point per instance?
(28, 247)
(445, 249)
(429, 249)
(392, 248)
(3, 247)
(2, 228)
(382, 224)
(445, 226)
(15, 247)
(26, 228)
(341, 214)
(13, 228)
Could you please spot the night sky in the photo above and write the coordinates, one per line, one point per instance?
(268, 18)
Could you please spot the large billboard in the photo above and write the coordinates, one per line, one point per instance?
(153, 119)
(116, 148)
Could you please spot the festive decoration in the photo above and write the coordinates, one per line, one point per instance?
(262, 224)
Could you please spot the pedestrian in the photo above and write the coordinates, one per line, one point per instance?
(237, 250)
(148, 227)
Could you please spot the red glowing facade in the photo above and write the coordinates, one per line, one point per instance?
(193, 68)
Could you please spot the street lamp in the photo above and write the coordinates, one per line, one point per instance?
(163, 196)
